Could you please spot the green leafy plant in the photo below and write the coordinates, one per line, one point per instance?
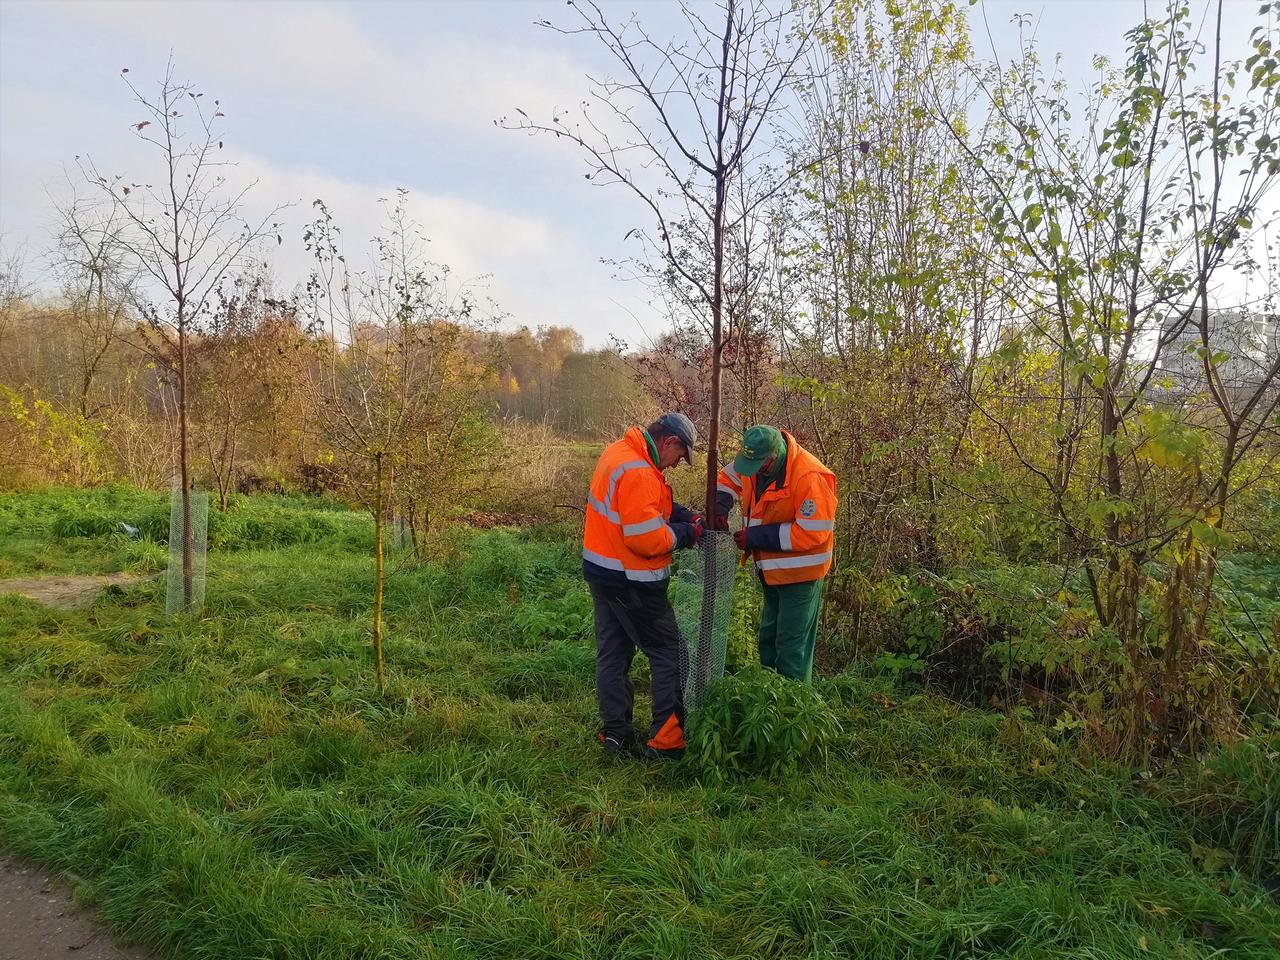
(899, 665)
(557, 619)
(81, 522)
(757, 723)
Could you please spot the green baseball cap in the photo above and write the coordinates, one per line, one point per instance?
(758, 445)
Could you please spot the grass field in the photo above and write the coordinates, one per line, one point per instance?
(228, 786)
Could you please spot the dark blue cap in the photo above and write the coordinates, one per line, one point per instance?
(682, 427)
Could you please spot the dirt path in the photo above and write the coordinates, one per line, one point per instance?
(66, 593)
(39, 920)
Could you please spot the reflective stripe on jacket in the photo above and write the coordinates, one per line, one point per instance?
(628, 539)
(790, 528)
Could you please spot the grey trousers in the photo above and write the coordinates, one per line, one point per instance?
(627, 619)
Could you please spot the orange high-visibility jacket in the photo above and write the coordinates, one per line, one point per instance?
(628, 539)
(798, 518)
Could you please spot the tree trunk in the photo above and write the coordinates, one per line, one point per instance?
(1109, 434)
(707, 619)
(221, 474)
(184, 465)
(378, 574)
(225, 467)
(709, 577)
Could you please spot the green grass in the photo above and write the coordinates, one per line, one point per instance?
(228, 785)
(80, 531)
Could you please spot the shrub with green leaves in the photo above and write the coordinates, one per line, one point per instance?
(566, 617)
(758, 723)
(84, 523)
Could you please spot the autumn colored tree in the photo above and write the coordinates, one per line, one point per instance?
(246, 376)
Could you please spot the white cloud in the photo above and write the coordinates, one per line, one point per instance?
(535, 271)
(320, 51)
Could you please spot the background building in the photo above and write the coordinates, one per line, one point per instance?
(1250, 340)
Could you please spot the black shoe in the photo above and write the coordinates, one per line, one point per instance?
(615, 748)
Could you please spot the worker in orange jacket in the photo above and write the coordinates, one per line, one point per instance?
(632, 528)
(788, 501)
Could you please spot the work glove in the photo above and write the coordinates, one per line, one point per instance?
(721, 522)
(740, 538)
(698, 527)
(686, 534)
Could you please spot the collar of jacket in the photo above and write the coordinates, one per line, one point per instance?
(640, 441)
(653, 448)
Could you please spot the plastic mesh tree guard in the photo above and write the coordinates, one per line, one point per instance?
(401, 536)
(702, 596)
(185, 579)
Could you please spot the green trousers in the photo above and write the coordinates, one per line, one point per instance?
(789, 628)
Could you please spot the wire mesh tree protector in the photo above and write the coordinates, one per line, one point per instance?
(186, 574)
(702, 596)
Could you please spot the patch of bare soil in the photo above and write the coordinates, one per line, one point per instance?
(39, 920)
(69, 592)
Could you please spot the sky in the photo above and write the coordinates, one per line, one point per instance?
(348, 101)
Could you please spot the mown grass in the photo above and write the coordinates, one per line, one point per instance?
(227, 786)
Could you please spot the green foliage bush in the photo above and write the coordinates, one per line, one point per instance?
(757, 723)
(1249, 588)
(983, 631)
(85, 523)
(566, 617)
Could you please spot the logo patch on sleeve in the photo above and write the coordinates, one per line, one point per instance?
(808, 509)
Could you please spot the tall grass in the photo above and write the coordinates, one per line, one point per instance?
(229, 786)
